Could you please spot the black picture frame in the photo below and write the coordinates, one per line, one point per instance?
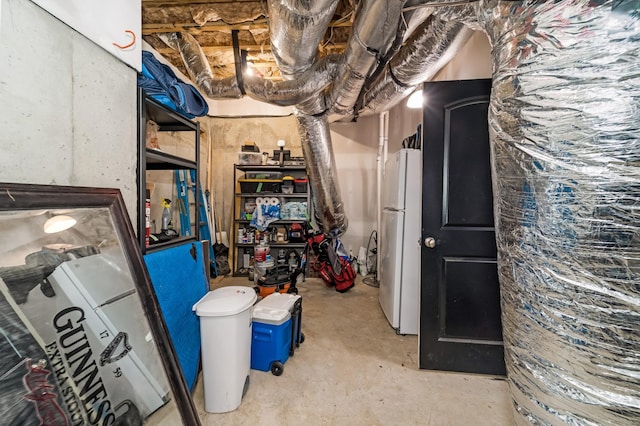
(19, 199)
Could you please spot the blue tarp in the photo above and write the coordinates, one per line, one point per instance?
(160, 83)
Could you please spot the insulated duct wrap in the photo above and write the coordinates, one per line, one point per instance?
(565, 131)
(322, 176)
(374, 29)
(297, 26)
(293, 92)
(433, 44)
(282, 93)
(198, 67)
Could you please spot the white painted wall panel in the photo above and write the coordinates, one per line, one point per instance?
(104, 22)
(355, 146)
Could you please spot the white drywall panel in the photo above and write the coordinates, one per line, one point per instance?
(355, 148)
(107, 23)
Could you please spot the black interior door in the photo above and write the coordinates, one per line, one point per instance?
(460, 327)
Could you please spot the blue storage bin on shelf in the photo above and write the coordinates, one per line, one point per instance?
(271, 341)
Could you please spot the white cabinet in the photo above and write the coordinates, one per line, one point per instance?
(115, 25)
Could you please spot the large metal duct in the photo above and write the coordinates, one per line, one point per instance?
(306, 87)
(199, 69)
(314, 131)
(374, 29)
(433, 44)
(565, 136)
(297, 26)
(296, 29)
(282, 93)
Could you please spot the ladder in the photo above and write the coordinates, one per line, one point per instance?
(184, 210)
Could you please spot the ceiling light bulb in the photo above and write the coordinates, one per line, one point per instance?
(248, 71)
(58, 224)
(415, 100)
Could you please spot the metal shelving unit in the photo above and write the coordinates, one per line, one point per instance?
(150, 159)
(239, 249)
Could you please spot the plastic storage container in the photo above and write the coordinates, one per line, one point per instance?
(226, 345)
(300, 185)
(261, 267)
(260, 185)
(263, 175)
(250, 158)
(271, 339)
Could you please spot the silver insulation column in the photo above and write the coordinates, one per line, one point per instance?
(565, 132)
(322, 177)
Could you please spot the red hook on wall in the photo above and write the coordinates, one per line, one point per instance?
(133, 35)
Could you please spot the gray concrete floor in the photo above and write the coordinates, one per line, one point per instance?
(353, 369)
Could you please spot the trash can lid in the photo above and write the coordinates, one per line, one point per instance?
(225, 301)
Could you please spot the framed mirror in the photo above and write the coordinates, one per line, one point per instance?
(82, 339)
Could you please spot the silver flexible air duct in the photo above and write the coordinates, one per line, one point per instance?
(282, 93)
(322, 176)
(199, 69)
(432, 45)
(464, 12)
(373, 31)
(414, 19)
(565, 135)
(297, 26)
(305, 87)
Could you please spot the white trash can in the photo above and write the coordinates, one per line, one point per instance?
(225, 331)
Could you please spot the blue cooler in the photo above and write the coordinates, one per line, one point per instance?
(271, 341)
(293, 304)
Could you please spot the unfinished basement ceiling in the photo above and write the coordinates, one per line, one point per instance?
(211, 23)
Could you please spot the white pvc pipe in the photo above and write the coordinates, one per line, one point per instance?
(380, 158)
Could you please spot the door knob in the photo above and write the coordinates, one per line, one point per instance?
(430, 242)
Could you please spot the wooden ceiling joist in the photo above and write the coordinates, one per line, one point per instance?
(194, 28)
(212, 50)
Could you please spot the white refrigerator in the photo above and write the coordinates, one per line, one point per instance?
(400, 242)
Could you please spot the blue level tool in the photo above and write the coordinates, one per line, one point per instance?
(184, 187)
